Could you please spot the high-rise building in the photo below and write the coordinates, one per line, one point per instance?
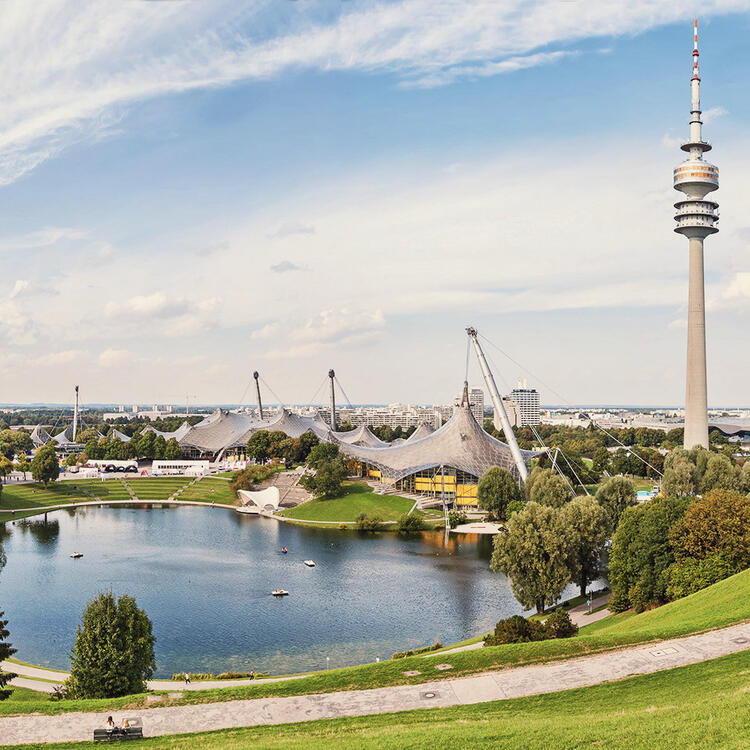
(476, 401)
(696, 218)
(527, 401)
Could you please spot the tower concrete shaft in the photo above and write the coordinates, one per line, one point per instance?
(696, 391)
(697, 217)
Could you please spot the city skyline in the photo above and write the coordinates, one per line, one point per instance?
(297, 205)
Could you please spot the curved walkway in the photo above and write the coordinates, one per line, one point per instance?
(490, 686)
(44, 680)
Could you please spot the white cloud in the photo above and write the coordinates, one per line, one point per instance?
(336, 327)
(41, 238)
(114, 357)
(713, 113)
(24, 287)
(284, 266)
(510, 65)
(290, 228)
(677, 324)
(739, 287)
(92, 59)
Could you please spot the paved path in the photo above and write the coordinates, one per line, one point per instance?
(30, 677)
(490, 686)
(579, 615)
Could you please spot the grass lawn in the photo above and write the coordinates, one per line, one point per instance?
(157, 488)
(210, 489)
(357, 498)
(724, 603)
(698, 706)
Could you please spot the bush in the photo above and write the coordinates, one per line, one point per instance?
(249, 477)
(456, 518)
(368, 523)
(327, 479)
(514, 507)
(412, 652)
(559, 624)
(690, 575)
(515, 629)
(410, 523)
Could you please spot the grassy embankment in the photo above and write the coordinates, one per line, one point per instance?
(58, 493)
(208, 489)
(723, 604)
(698, 706)
(356, 498)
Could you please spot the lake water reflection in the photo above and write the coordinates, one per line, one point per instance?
(204, 576)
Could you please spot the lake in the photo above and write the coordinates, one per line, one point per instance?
(204, 576)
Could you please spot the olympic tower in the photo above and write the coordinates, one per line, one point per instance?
(696, 218)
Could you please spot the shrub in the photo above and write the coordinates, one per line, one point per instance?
(456, 518)
(514, 506)
(368, 523)
(249, 477)
(515, 629)
(559, 624)
(410, 523)
(413, 651)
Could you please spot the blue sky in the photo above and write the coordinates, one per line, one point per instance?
(190, 191)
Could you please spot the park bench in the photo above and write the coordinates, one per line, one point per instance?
(132, 731)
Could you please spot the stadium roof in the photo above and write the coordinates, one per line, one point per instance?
(362, 435)
(422, 431)
(40, 436)
(460, 443)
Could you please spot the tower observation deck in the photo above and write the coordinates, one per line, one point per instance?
(696, 217)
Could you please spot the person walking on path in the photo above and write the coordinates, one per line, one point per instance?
(187, 678)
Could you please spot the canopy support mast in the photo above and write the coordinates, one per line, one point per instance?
(500, 414)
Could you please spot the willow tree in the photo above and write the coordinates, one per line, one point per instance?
(533, 553)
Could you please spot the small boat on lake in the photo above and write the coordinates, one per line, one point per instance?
(284, 550)
(310, 563)
(279, 592)
(76, 555)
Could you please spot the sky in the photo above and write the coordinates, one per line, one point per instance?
(192, 191)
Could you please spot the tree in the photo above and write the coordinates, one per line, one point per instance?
(160, 446)
(641, 553)
(681, 478)
(259, 446)
(5, 468)
(321, 453)
(533, 553)
(44, 466)
(587, 529)
(601, 460)
(547, 488)
(614, 496)
(496, 489)
(720, 474)
(91, 449)
(6, 651)
(744, 477)
(172, 450)
(327, 480)
(24, 466)
(710, 542)
(113, 653)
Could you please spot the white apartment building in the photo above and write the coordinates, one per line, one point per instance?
(476, 401)
(527, 401)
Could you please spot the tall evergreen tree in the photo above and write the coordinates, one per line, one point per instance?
(6, 651)
(114, 650)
